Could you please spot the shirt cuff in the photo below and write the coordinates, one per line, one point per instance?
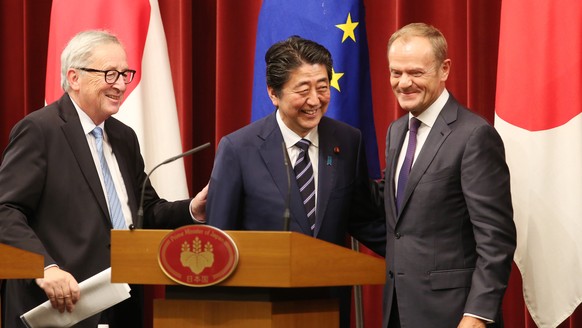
(478, 317)
(50, 266)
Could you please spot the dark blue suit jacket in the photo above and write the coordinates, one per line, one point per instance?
(249, 185)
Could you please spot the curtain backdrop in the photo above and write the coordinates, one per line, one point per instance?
(211, 44)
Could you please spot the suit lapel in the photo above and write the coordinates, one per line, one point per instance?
(272, 151)
(398, 134)
(327, 167)
(78, 143)
(437, 136)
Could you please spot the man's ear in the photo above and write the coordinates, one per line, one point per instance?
(445, 69)
(73, 78)
(273, 96)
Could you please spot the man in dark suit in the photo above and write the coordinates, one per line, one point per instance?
(449, 219)
(249, 187)
(56, 199)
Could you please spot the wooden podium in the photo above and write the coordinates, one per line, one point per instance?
(19, 264)
(276, 283)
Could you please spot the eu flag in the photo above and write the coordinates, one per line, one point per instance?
(339, 26)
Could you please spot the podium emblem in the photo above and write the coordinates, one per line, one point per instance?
(198, 255)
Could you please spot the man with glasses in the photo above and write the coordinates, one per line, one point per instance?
(69, 175)
(111, 76)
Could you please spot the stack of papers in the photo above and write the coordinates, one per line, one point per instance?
(97, 294)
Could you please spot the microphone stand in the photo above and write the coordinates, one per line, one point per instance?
(139, 221)
(286, 213)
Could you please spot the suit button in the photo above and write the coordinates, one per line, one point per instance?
(397, 235)
(390, 274)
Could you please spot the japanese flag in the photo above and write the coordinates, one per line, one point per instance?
(539, 116)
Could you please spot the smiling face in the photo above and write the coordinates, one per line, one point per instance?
(416, 77)
(89, 90)
(304, 98)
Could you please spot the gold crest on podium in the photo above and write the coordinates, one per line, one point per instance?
(198, 255)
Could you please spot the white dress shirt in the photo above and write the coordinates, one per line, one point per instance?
(88, 126)
(427, 119)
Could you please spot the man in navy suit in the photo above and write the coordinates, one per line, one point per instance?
(249, 188)
(53, 199)
(451, 235)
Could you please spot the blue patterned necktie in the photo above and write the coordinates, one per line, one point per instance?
(117, 219)
(305, 181)
(407, 164)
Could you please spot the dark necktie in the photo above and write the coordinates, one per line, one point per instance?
(407, 164)
(304, 175)
(117, 219)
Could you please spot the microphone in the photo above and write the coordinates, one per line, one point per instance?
(286, 213)
(139, 222)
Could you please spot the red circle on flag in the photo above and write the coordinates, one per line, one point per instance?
(198, 255)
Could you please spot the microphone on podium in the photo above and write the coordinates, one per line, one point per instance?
(139, 221)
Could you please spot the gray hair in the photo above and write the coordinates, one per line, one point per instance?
(434, 36)
(79, 50)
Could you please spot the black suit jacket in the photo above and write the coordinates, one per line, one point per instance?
(52, 203)
(449, 251)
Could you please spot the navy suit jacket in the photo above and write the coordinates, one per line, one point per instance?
(52, 202)
(450, 249)
(249, 186)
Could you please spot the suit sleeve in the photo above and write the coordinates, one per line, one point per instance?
(379, 187)
(22, 172)
(486, 188)
(367, 221)
(226, 188)
(158, 213)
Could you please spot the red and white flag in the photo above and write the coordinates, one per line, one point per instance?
(150, 105)
(539, 116)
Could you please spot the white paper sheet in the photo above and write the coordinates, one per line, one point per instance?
(97, 294)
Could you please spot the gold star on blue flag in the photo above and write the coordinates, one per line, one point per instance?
(348, 27)
(340, 27)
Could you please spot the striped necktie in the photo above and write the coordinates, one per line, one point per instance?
(117, 219)
(305, 181)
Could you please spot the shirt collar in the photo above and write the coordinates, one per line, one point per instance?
(86, 121)
(429, 116)
(291, 138)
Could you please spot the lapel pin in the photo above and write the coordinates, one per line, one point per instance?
(336, 150)
(329, 160)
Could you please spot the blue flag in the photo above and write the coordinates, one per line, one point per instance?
(339, 26)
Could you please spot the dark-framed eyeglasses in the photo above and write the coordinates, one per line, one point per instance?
(112, 75)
